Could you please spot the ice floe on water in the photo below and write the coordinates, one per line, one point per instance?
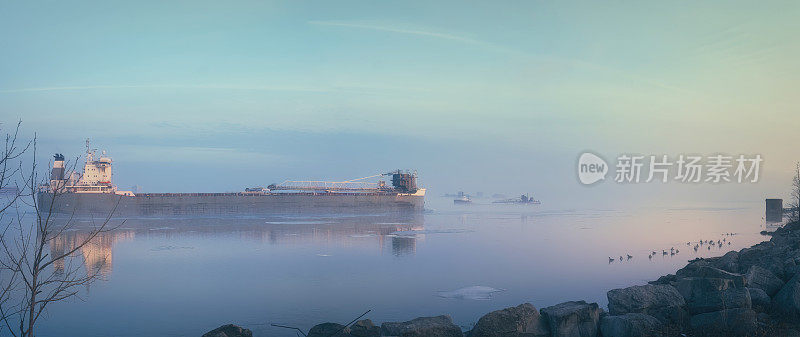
(429, 231)
(295, 222)
(362, 235)
(163, 248)
(470, 293)
(324, 255)
(160, 228)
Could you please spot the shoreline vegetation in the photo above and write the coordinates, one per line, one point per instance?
(751, 292)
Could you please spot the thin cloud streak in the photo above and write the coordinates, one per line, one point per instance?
(176, 86)
(497, 48)
(397, 30)
(425, 33)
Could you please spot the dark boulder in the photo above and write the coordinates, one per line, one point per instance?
(631, 325)
(669, 279)
(438, 326)
(522, 320)
(787, 300)
(763, 318)
(700, 270)
(329, 330)
(791, 264)
(790, 271)
(765, 255)
(781, 237)
(229, 330)
(663, 302)
(365, 328)
(728, 262)
(712, 294)
(573, 319)
(759, 299)
(730, 322)
(758, 277)
(692, 266)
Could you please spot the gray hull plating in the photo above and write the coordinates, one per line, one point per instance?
(183, 204)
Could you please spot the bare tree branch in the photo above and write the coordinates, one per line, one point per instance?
(794, 196)
(38, 266)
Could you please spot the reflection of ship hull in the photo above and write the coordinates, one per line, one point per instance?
(518, 202)
(160, 204)
(371, 231)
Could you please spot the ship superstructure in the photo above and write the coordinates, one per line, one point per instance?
(93, 192)
(96, 177)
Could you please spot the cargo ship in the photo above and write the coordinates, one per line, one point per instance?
(92, 192)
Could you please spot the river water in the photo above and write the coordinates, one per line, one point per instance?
(183, 277)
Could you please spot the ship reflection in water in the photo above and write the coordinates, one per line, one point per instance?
(380, 233)
(96, 253)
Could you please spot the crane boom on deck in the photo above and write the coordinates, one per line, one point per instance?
(401, 181)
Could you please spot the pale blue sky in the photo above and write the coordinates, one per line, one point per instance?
(500, 97)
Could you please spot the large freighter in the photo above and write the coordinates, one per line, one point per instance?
(93, 193)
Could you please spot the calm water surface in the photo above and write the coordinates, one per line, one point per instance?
(183, 277)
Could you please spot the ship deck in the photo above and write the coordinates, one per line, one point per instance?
(244, 194)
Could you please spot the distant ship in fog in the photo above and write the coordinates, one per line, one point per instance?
(92, 192)
(462, 201)
(522, 200)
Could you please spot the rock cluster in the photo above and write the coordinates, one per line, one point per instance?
(631, 324)
(229, 330)
(573, 319)
(329, 330)
(522, 320)
(438, 326)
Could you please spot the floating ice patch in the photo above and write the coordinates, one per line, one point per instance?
(430, 231)
(162, 248)
(362, 235)
(402, 234)
(295, 222)
(161, 228)
(324, 255)
(471, 293)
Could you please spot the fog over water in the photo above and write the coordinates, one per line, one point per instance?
(485, 98)
(187, 276)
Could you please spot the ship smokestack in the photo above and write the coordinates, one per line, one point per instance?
(58, 167)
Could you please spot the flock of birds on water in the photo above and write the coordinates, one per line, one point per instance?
(673, 251)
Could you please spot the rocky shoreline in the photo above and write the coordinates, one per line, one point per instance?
(752, 292)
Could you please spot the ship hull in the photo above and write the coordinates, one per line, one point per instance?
(188, 204)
